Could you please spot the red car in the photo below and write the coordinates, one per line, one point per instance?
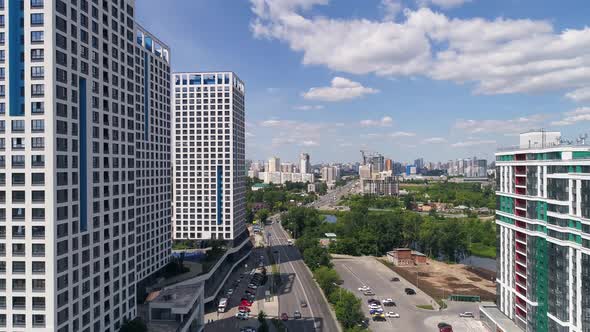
(245, 303)
(284, 316)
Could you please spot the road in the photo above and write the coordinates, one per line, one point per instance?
(298, 285)
(331, 199)
(366, 271)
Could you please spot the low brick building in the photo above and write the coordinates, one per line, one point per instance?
(406, 257)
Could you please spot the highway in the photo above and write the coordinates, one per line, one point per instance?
(331, 199)
(298, 285)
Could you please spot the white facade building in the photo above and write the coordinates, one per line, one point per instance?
(85, 162)
(209, 156)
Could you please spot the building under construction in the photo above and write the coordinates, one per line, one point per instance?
(375, 180)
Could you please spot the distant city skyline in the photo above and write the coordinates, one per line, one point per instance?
(422, 100)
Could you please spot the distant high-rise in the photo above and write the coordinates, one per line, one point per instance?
(274, 165)
(304, 164)
(388, 165)
(209, 159)
(330, 174)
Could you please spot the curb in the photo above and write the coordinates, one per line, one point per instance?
(326, 299)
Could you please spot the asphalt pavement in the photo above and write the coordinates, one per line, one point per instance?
(367, 271)
(298, 285)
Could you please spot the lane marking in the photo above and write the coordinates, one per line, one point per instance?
(299, 280)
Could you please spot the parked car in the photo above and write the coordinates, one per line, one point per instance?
(364, 288)
(364, 323)
(444, 327)
(303, 304)
(374, 306)
(242, 315)
(410, 291)
(395, 279)
(252, 286)
(230, 291)
(378, 317)
(284, 316)
(369, 301)
(467, 314)
(392, 314)
(248, 329)
(296, 315)
(388, 303)
(375, 311)
(246, 303)
(369, 293)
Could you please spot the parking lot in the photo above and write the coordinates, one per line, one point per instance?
(239, 284)
(357, 272)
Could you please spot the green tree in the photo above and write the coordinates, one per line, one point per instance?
(262, 215)
(348, 309)
(326, 278)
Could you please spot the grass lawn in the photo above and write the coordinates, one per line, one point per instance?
(480, 250)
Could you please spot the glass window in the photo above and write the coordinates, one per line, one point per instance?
(36, 3)
(37, 54)
(36, 19)
(37, 107)
(18, 125)
(37, 90)
(37, 36)
(37, 72)
(37, 125)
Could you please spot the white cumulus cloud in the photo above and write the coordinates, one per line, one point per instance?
(385, 121)
(434, 140)
(581, 114)
(442, 3)
(402, 134)
(308, 107)
(341, 89)
(472, 143)
(579, 95)
(509, 126)
(496, 56)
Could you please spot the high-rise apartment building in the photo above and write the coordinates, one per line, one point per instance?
(274, 165)
(209, 156)
(543, 234)
(84, 162)
(304, 164)
(330, 174)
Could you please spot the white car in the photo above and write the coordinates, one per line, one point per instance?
(242, 315)
(364, 288)
(374, 306)
(392, 314)
(467, 314)
(230, 291)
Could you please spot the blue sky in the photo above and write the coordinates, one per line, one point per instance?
(439, 79)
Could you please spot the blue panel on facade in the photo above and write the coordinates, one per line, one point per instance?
(146, 95)
(15, 64)
(83, 156)
(219, 195)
